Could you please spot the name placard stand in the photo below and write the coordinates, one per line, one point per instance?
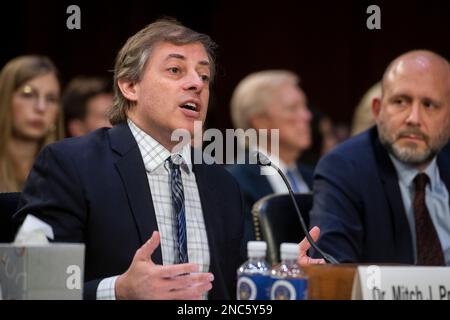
(401, 283)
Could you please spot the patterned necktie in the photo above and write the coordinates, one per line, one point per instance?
(429, 250)
(292, 180)
(176, 185)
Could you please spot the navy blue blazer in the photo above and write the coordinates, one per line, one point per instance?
(94, 189)
(255, 186)
(358, 204)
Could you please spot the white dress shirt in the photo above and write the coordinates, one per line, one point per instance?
(436, 199)
(154, 156)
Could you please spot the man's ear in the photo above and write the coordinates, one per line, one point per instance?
(376, 108)
(128, 89)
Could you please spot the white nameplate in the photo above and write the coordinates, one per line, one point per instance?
(401, 283)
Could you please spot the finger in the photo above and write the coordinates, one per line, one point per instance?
(190, 280)
(318, 261)
(144, 253)
(306, 261)
(170, 271)
(191, 293)
(305, 245)
(315, 233)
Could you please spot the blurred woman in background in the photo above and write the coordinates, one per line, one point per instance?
(363, 118)
(30, 116)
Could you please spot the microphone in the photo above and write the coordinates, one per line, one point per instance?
(263, 160)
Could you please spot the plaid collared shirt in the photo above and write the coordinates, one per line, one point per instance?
(154, 156)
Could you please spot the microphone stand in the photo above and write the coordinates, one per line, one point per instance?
(266, 162)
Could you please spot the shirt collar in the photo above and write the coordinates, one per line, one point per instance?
(407, 173)
(155, 154)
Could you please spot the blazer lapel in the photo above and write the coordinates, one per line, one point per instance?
(132, 171)
(401, 232)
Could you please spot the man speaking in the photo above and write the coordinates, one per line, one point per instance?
(155, 225)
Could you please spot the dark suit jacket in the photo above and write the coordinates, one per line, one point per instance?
(254, 186)
(94, 189)
(358, 204)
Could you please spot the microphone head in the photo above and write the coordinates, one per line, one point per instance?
(260, 158)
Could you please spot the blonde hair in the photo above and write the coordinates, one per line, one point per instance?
(13, 75)
(363, 117)
(255, 92)
(132, 58)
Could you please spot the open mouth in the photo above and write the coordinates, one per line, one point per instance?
(190, 106)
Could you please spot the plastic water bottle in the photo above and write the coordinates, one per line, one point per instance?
(290, 281)
(254, 279)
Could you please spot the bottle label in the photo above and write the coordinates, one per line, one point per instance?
(254, 287)
(289, 289)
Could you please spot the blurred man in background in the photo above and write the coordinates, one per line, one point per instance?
(272, 99)
(86, 102)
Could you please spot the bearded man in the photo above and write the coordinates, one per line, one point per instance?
(382, 196)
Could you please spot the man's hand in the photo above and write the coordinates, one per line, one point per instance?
(303, 258)
(146, 280)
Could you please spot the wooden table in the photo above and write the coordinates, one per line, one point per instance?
(330, 282)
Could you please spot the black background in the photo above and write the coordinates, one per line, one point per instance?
(326, 42)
